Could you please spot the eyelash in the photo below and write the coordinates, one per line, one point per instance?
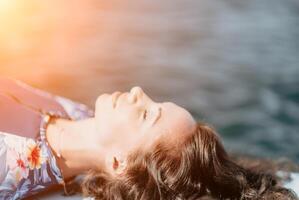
(145, 114)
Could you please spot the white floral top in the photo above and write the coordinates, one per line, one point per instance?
(27, 164)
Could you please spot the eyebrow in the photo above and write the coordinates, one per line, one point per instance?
(158, 116)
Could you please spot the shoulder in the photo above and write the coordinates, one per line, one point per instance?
(29, 95)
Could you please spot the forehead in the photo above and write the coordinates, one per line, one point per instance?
(175, 123)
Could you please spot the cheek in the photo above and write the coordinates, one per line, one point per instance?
(110, 121)
(122, 123)
(103, 112)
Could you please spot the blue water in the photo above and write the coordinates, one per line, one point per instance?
(232, 63)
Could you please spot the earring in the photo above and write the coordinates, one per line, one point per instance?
(115, 163)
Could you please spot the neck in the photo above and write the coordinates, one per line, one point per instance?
(73, 141)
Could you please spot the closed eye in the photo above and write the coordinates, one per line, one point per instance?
(145, 114)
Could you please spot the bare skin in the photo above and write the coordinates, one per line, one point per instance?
(123, 122)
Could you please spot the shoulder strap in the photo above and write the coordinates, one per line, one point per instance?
(17, 119)
(30, 96)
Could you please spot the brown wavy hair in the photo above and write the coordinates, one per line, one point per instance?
(198, 169)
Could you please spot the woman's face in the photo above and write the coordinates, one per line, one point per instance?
(131, 120)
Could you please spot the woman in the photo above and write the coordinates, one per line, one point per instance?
(130, 148)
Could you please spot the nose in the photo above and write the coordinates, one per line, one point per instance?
(136, 90)
(135, 94)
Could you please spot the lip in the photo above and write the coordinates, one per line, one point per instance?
(115, 97)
